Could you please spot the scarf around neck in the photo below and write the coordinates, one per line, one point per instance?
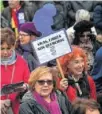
(52, 107)
(10, 60)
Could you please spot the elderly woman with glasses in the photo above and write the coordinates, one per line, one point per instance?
(85, 39)
(43, 98)
(77, 82)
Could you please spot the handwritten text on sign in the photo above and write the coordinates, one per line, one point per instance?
(52, 46)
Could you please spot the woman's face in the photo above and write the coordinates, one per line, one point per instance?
(85, 37)
(13, 3)
(92, 111)
(24, 38)
(6, 51)
(44, 85)
(76, 66)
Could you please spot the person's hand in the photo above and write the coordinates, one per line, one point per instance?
(5, 104)
(99, 38)
(64, 84)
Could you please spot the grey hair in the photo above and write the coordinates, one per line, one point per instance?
(82, 14)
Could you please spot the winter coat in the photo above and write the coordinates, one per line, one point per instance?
(89, 92)
(30, 106)
(28, 13)
(97, 70)
(87, 86)
(14, 73)
(97, 16)
(29, 55)
(4, 22)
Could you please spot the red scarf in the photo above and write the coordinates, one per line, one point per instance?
(14, 20)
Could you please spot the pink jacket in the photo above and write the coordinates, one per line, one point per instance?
(14, 73)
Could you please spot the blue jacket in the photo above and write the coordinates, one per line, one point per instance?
(97, 68)
(97, 16)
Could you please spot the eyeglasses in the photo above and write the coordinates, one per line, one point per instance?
(23, 35)
(87, 35)
(42, 82)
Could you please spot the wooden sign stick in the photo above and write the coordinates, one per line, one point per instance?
(59, 67)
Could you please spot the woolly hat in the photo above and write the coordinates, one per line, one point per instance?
(29, 28)
(83, 26)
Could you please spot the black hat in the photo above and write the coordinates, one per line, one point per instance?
(83, 26)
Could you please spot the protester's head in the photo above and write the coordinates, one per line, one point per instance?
(82, 14)
(83, 32)
(28, 32)
(42, 80)
(14, 3)
(7, 42)
(75, 62)
(85, 106)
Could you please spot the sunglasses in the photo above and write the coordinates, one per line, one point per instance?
(42, 82)
(87, 35)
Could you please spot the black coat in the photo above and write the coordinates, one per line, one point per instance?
(30, 106)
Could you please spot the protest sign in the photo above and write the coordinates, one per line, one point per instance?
(52, 46)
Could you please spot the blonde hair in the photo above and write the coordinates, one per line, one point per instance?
(38, 72)
(82, 15)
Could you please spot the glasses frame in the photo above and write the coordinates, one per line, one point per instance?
(48, 82)
(23, 35)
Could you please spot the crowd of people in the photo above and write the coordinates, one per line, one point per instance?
(44, 89)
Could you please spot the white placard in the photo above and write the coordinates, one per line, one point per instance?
(52, 46)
